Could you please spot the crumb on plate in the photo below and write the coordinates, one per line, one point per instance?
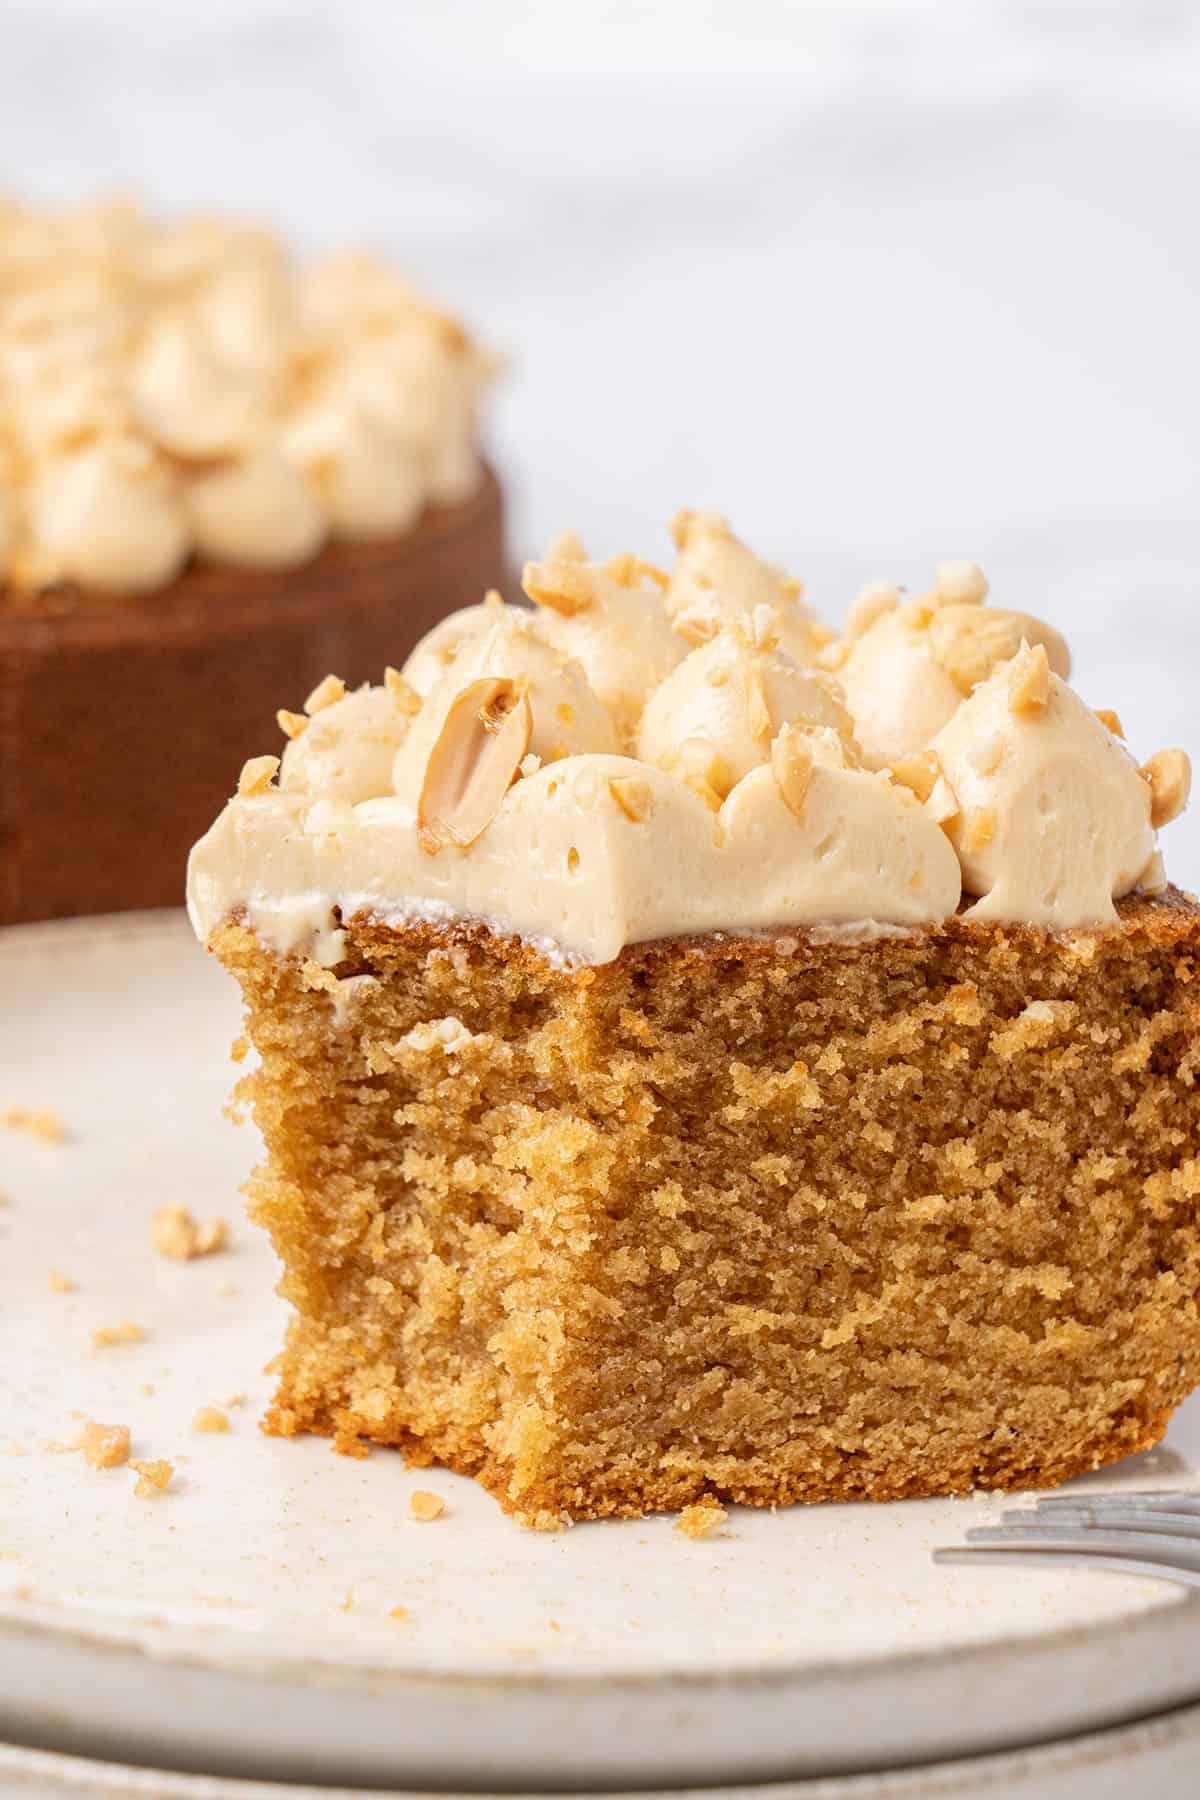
(127, 1332)
(104, 1446)
(152, 1478)
(700, 1520)
(43, 1122)
(210, 1418)
(178, 1234)
(425, 1506)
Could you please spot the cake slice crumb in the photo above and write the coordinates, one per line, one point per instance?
(210, 1418)
(44, 1122)
(127, 1332)
(58, 1283)
(152, 1478)
(104, 1446)
(425, 1506)
(178, 1234)
(398, 1612)
(701, 1519)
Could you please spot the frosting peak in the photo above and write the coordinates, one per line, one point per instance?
(611, 618)
(715, 574)
(906, 668)
(732, 695)
(1053, 815)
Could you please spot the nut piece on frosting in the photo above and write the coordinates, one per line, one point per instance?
(792, 763)
(1169, 775)
(968, 641)
(567, 716)
(473, 762)
(732, 695)
(911, 666)
(1054, 819)
(716, 574)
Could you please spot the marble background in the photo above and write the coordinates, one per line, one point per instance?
(885, 281)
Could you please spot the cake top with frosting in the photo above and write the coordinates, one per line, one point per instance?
(177, 388)
(645, 753)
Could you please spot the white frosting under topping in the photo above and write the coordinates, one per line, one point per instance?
(314, 403)
(493, 788)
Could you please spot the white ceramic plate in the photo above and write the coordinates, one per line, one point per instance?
(242, 1621)
(1158, 1759)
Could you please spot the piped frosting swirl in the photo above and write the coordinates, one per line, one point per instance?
(623, 762)
(175, 388)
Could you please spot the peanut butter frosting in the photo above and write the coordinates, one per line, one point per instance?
(646, 753)
(181, 388)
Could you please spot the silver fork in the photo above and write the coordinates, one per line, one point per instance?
(1150, 1534)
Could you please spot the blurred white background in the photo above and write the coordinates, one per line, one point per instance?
(885, 281)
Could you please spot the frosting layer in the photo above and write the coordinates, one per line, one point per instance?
(615, 766)
(170, 388)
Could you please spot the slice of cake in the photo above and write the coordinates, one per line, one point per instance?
(699, 1056)
(218, 471)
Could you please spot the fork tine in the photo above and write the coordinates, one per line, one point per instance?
(1059, 1558)
(1152, 1499)
(1162, 1548)
(1157, 1522)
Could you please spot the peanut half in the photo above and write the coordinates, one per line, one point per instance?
(474, 761)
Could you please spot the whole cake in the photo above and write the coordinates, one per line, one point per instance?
(218, 473)
(701, 1056)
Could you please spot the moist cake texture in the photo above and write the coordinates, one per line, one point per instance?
(832, 1204)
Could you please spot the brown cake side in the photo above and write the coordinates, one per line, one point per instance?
(771, 1219)
(121, 717)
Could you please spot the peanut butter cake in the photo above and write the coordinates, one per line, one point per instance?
(705, 1059)
(218, 471)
